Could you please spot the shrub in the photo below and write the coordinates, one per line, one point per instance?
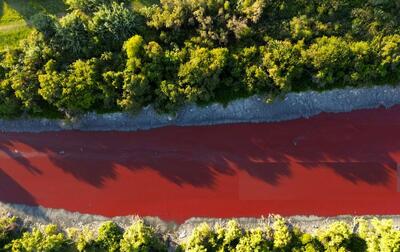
(140, 237)
(228, 236)
(281, 233)
(379, 235)
(336, 237)
(389, 53)
(9, 104)
(109, 236)
(47, 240)
(73, 91)
(200, 75)
(283, 62)
(84, 240)
(250, 72)
(111, 25)
(203, 238)
(330, 59)
(254, 240)
(72, 38)
(9, 230)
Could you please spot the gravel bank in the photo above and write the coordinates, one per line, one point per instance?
(253, 109)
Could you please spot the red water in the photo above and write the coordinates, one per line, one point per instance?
(327, 165)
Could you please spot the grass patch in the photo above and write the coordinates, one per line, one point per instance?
(26, 9)
(10, 38)
(15, 16)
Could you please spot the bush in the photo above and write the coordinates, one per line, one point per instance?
(254, 240)
(111, 26)
(72, 38)
(84, 240)
(47, 240)
(201, 74)
(109, 237)
(9, 230)
(73, 91)
(389, 53)
(336, 237)
(330, 59)
(283, 62)
(140, 237)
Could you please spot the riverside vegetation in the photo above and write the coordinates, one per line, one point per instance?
(371, 236)
(104, 55)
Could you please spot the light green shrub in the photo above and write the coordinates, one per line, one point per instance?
(109, 237)
(336, 237)
(47, 240)
(141, 238)
(281, 233)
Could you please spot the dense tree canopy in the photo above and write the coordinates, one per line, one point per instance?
(103, 55)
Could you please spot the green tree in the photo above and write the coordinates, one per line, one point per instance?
(141, 238)
(111, 25)
(330, 59)
(202, 73)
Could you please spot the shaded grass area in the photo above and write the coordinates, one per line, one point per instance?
(10, 38)
(15, 16)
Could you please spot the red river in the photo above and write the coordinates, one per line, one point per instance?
(327, 165)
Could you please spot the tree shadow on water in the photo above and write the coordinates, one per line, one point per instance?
(198, 155)
(12, 192)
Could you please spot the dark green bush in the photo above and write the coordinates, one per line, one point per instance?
(111, 26)
(9, 230)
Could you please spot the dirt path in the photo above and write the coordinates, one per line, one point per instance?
(327, 165)
(12, 26)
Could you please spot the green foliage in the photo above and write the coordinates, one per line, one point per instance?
(9, 104)
(109, 237)
(201, 74)
(336, 237)
(84, 240)
(370, 236)
(111, 25)
(101, 55)
(330, 58)
(249, 73)
(47, 240)
(72, 38)
(9, 230)
(254, 240)
(281, 234)
(202, 239)
(283, 62)
(389, 53)
(141, 238)
(74, 90)
(379, 235)
(228, 237)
